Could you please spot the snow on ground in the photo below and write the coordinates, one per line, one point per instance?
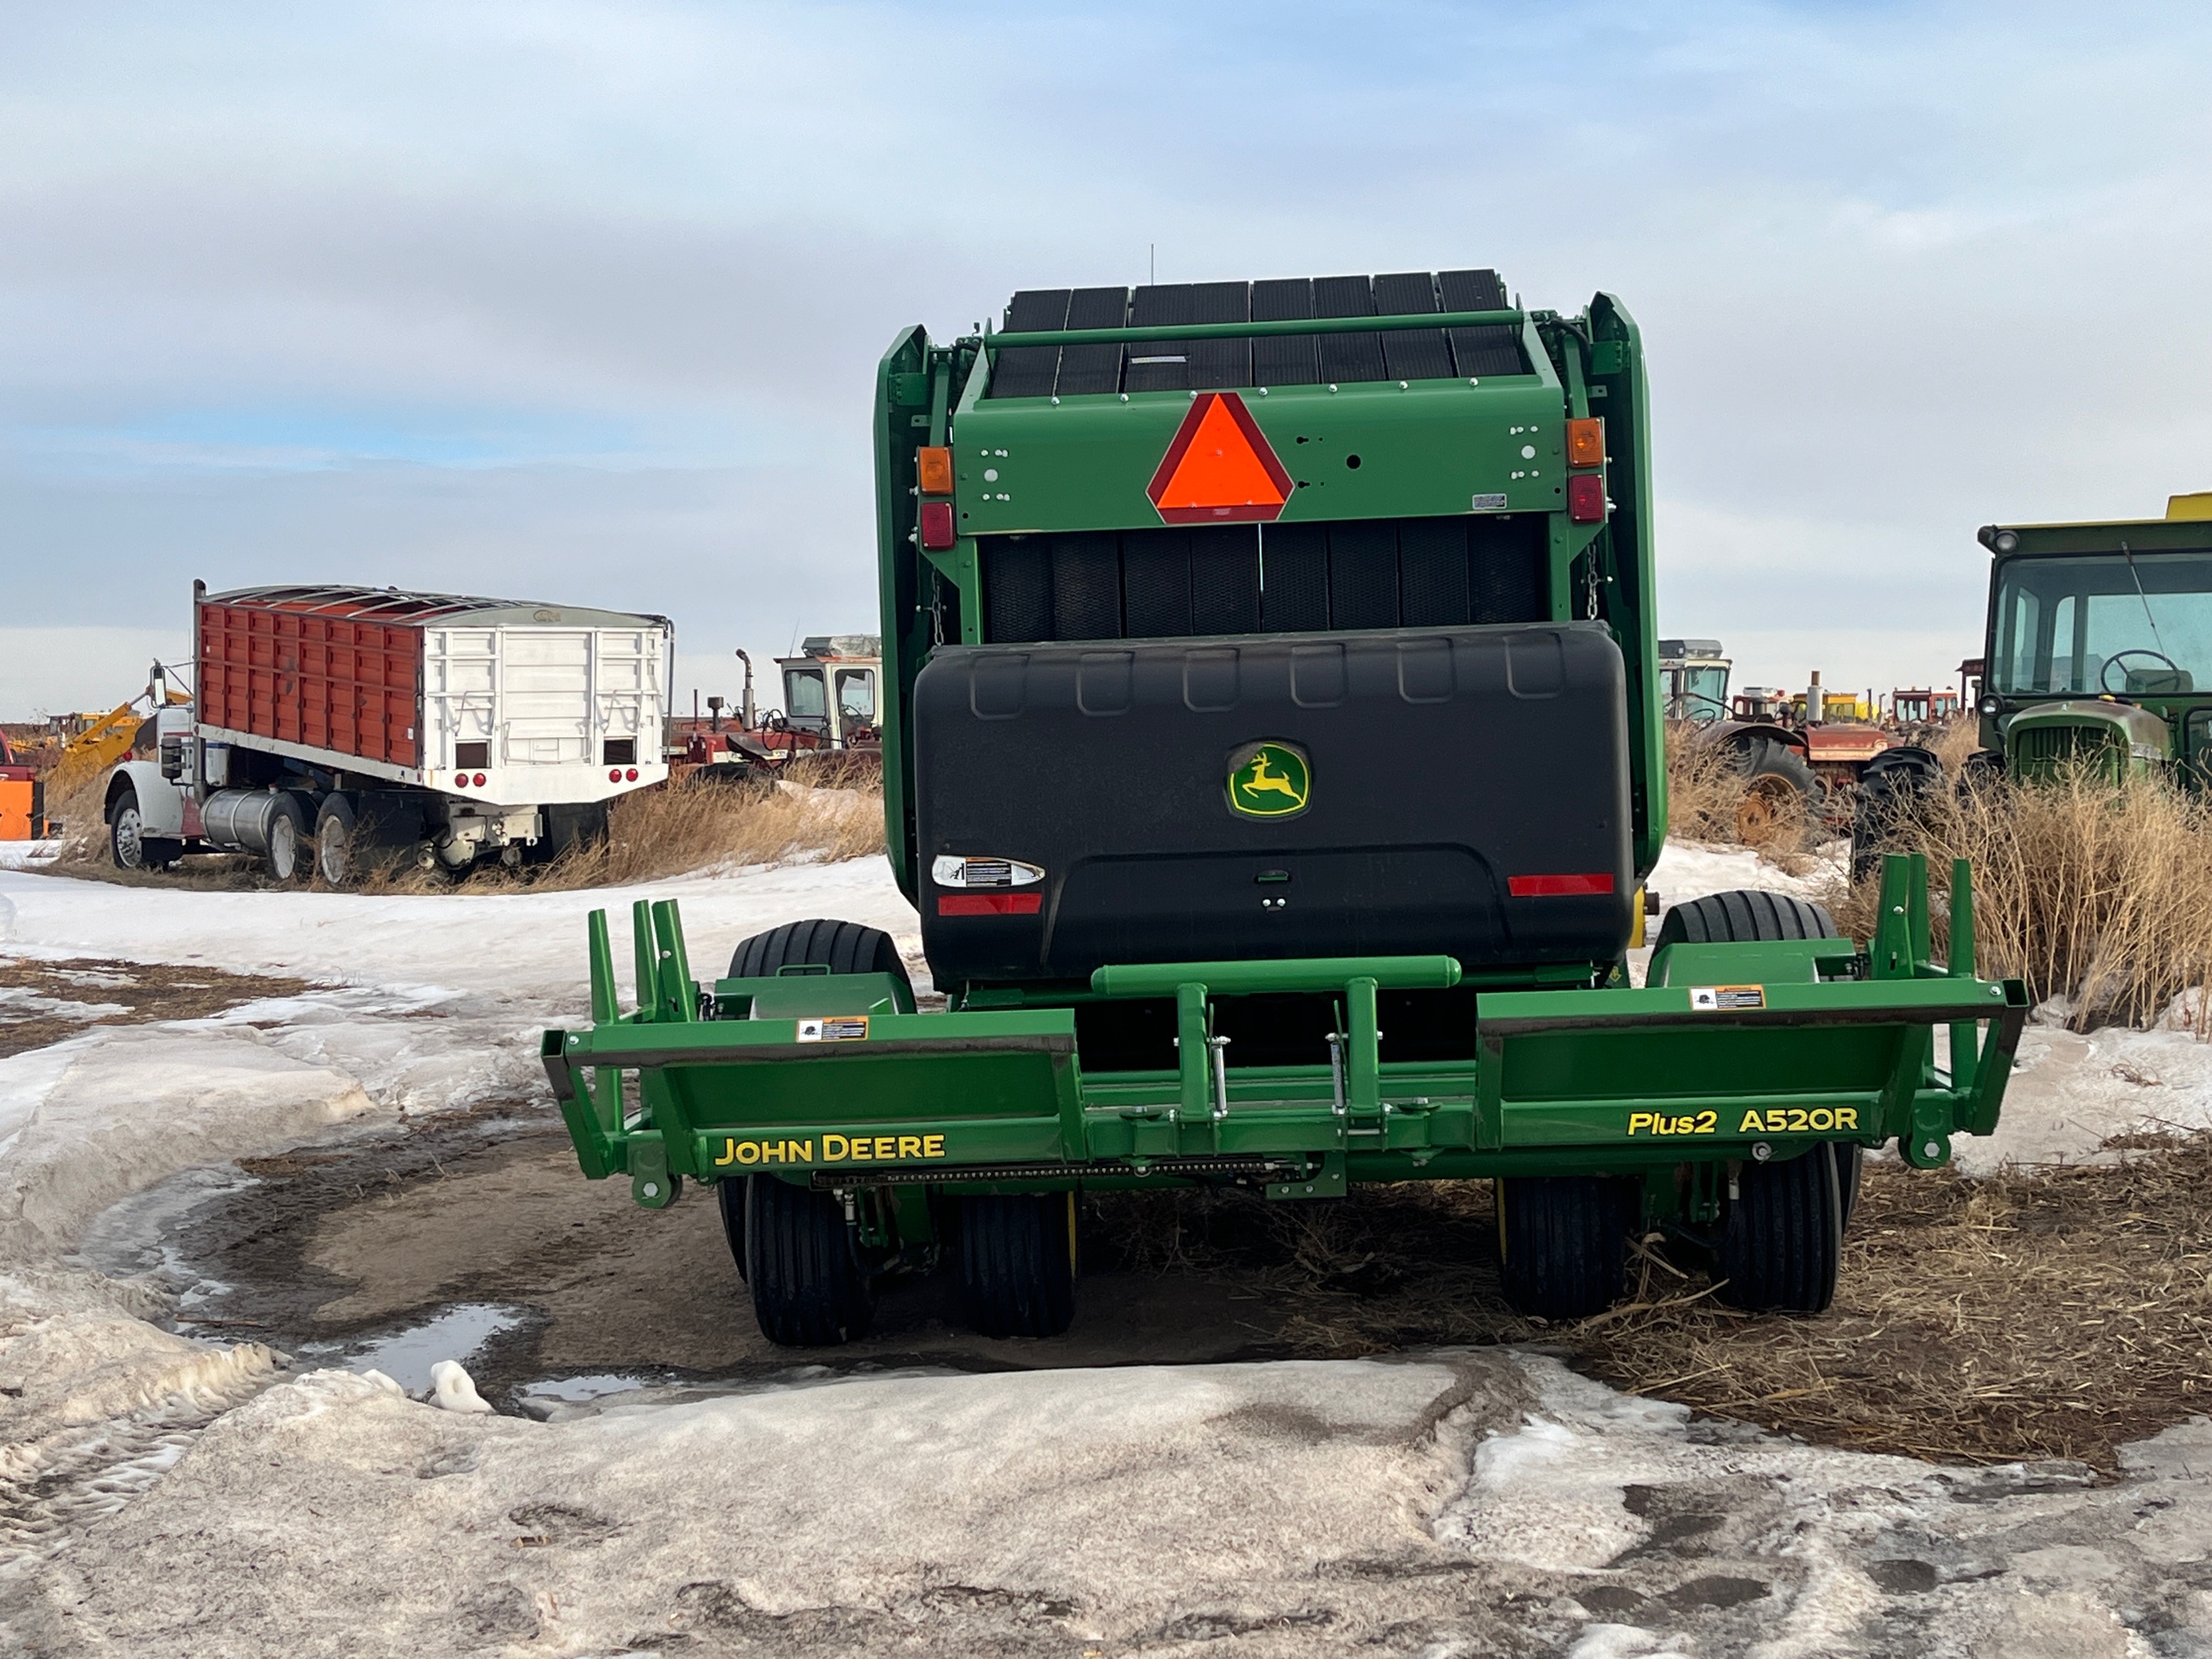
(162, 1495)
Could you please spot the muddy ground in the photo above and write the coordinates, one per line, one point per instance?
(2053, 1314)
(43, 1002)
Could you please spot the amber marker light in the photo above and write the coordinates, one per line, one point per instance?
(1586, 443)
(933, 468)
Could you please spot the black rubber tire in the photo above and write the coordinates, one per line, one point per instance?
(1563, 1241)
(730, 1193)
(808, 1290)
(1982, 769)
(337, 860)
(1891, 787)
(126, 839)
(290, 861)
(1743, 915)
(1018, 1263)
(568, 825)
(843, 947)
(1784, 1240)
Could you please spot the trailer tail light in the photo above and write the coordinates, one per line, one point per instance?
(989, 904)
(1589, 886)
(933, 470)
(1586, 498)
(479, 780)
(1586, 443)
(937, 526)
(615, 775)
(630, 776)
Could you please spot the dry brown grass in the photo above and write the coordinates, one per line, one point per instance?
(673, 831)
(1709, 799)
(2040, 1313)
(2098, 893)
(651, 835)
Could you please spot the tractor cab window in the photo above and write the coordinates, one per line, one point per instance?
(1704, 691)
(856, 695)
(2081, 626)
(804, 698)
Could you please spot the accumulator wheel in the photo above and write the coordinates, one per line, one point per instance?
(1018, 1263)
(1780, 794)
(809, 1290)
(843, 947)
(1894, 788)
(1783, 1241)
(1563, 1241)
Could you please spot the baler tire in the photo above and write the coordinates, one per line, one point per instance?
(336, 827)
(1891, 788)
(1564, 1241)
(730, 1193)
(808, 1290)
(1018, 1263)
(1784, 1240)
(843, 947)
(1744, 915)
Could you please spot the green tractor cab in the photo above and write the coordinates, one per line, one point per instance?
(2100, 645)
(1271, 731)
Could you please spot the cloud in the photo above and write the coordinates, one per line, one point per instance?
(586, 299)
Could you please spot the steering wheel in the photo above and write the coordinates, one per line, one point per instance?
(2105, 674)
(774, 722)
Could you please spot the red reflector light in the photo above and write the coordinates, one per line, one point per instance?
(479, 780)
(1558, 886)
(1586, 498)
(937, 526)
(462, 781)
(630, 777)
(615, 776)
(989, 904)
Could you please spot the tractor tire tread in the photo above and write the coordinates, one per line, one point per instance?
(808, 1291)
(1017, 1264)
(843, 947)
(1744, 915)
(1783, 1243)
(1565, 1239)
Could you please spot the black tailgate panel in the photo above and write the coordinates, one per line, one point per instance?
(1445, 762)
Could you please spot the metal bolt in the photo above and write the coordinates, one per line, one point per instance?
(1933, 1149)
(1760, 1151)
(652, 1189)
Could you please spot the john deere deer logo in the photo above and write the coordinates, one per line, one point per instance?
(1269, 781)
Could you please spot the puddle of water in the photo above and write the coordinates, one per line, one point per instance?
(406, 1356)
(135, 1239)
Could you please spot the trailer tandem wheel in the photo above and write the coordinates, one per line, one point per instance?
(336, 829)
(808, 1289)
(1564, 1241)
(1018, 1263)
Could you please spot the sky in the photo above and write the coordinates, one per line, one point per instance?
(582, 302)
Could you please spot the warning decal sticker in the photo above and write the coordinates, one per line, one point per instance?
(834, 1028)
(1710, 999)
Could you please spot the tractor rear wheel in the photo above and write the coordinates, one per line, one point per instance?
(1892, 790)
(1784, 1240)
(1018, 1263)
(1781, 796)
(1564, 1240)
(843, 947)
(808, 1289)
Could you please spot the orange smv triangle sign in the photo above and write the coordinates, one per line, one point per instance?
(1219, 469)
